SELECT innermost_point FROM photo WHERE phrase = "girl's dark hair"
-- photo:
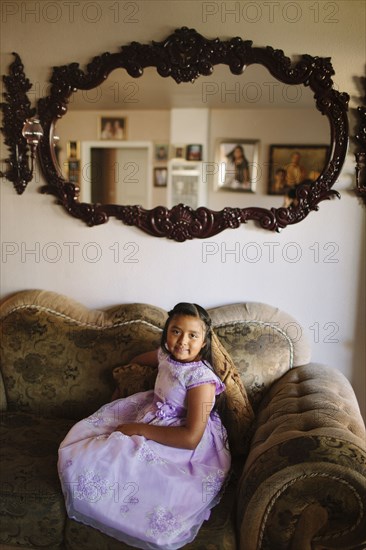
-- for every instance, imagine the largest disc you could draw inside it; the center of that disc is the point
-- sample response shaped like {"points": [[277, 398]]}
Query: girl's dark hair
{"points": [[192, 310], [231, 155]]}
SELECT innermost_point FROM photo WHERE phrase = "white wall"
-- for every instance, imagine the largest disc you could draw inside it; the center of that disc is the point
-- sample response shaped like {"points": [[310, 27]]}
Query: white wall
{"points": [[315, 270]]}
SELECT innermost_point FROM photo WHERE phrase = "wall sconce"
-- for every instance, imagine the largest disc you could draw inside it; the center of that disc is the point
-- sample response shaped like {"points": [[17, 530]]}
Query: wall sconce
{"points": [[19, 171], [33, 132], [21, 127]]}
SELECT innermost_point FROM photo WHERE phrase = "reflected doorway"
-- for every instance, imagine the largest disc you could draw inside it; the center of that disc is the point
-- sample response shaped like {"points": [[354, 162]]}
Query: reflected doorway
{"points": [[116, 173]]}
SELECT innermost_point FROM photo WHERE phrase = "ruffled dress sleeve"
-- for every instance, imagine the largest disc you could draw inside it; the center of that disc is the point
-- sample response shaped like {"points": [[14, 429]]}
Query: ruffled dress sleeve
{"points": [[162, 355], [192, 374], [199, 373]]}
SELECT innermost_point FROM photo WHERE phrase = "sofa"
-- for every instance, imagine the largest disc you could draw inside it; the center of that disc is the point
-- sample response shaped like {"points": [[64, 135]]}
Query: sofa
{"points": [[299, 483]]}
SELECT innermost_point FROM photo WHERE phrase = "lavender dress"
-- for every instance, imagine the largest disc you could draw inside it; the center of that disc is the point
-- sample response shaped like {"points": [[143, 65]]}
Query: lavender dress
{"points": [[143, 493]]}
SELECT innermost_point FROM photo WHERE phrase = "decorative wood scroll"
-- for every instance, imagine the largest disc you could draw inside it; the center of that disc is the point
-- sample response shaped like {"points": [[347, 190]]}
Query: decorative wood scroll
{"points": [[16, 110], [361, 153]]}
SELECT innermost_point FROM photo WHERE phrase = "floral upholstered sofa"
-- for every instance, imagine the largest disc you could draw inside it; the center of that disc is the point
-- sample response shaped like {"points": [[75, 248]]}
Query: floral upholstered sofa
{"points": [[299, 484]]}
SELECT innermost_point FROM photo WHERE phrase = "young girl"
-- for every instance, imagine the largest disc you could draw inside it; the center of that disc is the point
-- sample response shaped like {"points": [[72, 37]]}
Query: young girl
{"points": [[147, 469]]}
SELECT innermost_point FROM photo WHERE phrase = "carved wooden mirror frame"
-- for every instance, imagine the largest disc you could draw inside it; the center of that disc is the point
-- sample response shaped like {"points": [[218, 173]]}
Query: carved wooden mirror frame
{"points": [[183, 56], [360, 139]]}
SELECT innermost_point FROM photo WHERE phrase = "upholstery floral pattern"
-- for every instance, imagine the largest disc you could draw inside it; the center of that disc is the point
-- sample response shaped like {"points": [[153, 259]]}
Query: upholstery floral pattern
{"points": [[31, 503], [57, 366], [133, 378], [301, 483], [261, 352], [237, 413]]}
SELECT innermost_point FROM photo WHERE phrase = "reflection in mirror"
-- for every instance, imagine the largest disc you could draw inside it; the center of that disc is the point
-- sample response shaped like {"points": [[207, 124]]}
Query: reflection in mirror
{"points": [[245, 108], [220, 108], [116, 172]]}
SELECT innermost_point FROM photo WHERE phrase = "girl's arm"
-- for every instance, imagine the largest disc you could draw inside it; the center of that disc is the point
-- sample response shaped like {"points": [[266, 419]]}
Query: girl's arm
{"points": [[199, 404], [149, 358]]}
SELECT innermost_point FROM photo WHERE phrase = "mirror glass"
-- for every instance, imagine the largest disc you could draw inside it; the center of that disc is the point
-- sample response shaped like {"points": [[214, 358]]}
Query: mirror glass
{"points": [[131, 166]]}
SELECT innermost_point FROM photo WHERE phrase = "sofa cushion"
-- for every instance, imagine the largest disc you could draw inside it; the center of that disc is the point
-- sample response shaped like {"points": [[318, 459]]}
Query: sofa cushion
{"points": [[31, 502], [237, 413], [263, 341], [133, 378]]}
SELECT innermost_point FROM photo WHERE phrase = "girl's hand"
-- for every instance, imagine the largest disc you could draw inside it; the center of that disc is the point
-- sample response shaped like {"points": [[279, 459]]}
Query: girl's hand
{"points": [[134, 428], [200, 400]]}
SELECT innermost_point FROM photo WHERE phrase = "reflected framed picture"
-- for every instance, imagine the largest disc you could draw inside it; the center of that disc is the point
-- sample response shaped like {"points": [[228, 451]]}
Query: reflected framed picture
{"points": [[73, 170], [237, 165], [290, 165], [73, 149], [194, 152], [160, 176], [112, 127], [161, 152], [178, 152]]}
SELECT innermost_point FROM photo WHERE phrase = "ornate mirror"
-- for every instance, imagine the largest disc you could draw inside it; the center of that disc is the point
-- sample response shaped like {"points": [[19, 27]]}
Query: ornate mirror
{"points": [[189, 60], [360, 140]]}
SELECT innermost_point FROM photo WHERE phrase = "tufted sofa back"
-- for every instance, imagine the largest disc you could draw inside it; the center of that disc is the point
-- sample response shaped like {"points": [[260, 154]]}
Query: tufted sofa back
{"points": [[57, 356]]}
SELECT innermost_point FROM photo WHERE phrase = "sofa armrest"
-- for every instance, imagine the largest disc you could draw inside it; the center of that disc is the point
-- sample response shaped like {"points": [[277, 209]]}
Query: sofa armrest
{"points": [[304, 482]]}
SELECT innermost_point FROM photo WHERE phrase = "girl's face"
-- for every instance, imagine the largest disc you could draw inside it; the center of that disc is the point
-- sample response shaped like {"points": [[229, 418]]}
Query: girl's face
{"points": [[185, 337], [238, 153]]}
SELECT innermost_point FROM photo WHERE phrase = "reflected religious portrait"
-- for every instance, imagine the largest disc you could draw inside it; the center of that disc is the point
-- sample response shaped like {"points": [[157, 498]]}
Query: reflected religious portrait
{"points": [[112, 128], [73, 149], [290, 165], [237, 165]]}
